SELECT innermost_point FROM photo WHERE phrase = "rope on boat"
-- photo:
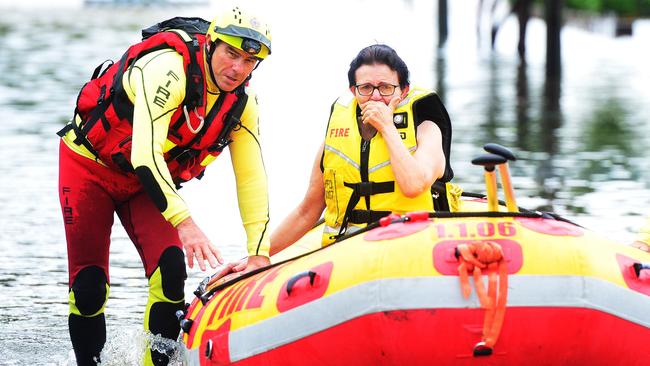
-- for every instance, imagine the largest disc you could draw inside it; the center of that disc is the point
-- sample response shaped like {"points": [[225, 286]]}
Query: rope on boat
{"points": [[485, 255]]}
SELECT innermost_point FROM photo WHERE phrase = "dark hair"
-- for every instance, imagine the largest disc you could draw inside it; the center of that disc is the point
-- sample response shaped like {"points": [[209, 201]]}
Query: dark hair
{"points": [[382, 55]]}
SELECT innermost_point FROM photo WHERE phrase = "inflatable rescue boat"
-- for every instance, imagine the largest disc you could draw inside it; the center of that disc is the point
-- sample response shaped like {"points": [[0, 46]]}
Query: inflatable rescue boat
{"points": [[489, 285]]}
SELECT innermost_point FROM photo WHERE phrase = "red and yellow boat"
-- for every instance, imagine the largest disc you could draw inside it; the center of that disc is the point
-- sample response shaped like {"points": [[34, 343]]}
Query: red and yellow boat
{"points": [[391, 295]]}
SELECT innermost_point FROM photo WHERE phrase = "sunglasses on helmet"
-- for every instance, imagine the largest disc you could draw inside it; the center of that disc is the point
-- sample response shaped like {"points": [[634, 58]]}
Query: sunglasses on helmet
{"points": [[251, 46]]}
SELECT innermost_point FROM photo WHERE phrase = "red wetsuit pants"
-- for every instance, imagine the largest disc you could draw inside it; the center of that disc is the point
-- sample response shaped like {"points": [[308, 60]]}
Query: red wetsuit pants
{"points": [[90, 193]]}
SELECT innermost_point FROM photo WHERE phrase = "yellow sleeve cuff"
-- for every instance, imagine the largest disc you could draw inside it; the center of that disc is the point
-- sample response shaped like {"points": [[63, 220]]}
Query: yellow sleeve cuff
{"points": [[178, 217], [262, 249]]}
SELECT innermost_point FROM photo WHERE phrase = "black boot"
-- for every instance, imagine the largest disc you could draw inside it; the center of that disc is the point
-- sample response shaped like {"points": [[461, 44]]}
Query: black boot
{"points": [[88, 335]]}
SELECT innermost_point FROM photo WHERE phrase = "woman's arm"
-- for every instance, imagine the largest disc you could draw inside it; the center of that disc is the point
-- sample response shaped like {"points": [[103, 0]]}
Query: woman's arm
{"points": [[415, 173], [305, 215]]}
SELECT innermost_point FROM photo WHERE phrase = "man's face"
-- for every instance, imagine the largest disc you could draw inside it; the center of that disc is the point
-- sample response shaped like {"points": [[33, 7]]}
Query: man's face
{"points": [[231, 66]]}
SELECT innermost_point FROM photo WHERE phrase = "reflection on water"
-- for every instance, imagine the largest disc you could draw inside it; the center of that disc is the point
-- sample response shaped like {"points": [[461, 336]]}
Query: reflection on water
{"points": [[582, 142]]}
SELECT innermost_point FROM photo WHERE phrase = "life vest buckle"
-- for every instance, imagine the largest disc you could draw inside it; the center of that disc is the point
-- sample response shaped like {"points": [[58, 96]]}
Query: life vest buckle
{"points": [[219, 145], [102, 94], [364, 188]]}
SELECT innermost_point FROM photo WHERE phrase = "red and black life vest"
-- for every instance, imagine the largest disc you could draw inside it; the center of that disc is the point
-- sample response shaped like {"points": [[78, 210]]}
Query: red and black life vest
{"points": [[106, 113]]}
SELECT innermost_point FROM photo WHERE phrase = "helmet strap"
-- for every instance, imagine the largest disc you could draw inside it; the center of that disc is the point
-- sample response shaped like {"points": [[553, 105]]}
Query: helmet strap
{"points": [[255, 68], [210, 53]]}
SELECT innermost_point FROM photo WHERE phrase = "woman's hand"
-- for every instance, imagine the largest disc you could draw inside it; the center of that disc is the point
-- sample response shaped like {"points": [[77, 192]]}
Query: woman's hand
{"points": [[378, 114]]}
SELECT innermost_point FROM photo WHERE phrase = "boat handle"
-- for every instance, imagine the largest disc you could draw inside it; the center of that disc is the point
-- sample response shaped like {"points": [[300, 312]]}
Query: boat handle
{"points": [[292, 281], [638, 267]]}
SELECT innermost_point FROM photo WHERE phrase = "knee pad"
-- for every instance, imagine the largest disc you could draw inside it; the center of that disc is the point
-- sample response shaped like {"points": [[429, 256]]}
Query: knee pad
{"points": [[172, 273], [89, 292]]}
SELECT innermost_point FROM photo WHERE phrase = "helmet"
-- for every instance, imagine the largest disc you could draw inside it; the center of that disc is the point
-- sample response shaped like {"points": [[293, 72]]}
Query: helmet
{"points": [[243, 31]]}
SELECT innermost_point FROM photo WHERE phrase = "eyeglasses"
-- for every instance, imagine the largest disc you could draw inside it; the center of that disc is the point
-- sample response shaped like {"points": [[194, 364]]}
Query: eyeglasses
{"points": [[384, 89]]}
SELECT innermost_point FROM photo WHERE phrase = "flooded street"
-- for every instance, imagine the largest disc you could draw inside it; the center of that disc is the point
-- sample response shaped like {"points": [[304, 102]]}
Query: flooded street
{"points": [[583, 145]]}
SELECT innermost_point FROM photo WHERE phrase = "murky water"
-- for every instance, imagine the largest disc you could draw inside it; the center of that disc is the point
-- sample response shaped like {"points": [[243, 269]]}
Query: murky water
{"points": [[583, 144]]}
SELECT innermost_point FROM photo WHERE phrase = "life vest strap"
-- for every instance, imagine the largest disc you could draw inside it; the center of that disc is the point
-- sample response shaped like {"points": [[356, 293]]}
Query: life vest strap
{"points": [[439, 195], [103, 103], [194, 78], [366, 216], [363, 189], [101, 69], [182, 154], [122, 162], [230, 122], [80, 136], [62, 132]]}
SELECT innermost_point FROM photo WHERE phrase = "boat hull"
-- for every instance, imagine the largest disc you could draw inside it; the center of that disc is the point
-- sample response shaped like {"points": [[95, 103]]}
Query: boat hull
{"points": [[392, 296], [532, 335]]}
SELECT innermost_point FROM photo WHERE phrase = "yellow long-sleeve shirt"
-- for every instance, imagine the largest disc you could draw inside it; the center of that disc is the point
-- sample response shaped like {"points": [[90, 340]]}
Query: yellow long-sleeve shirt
{"points": [[155, 84]]}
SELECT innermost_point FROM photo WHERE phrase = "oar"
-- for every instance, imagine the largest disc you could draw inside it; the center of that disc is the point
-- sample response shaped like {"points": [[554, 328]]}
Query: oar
{"points": [[489, 161], [509, 192]]}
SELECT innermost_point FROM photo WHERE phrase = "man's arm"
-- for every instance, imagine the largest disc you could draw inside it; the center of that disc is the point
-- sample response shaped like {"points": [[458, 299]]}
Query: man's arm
{"points": [[156, 86], [252, 185], [297, 223]]}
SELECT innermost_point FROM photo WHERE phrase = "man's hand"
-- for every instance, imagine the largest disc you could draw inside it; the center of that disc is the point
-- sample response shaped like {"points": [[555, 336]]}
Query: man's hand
{"points": [[222, 273], [251, 263], [240, 267], [196, 244], [378, 114], [641, 246]]}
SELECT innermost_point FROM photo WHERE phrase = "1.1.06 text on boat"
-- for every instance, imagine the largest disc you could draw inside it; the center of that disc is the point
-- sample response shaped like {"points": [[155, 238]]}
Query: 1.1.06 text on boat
{"points": [[482, 229]]}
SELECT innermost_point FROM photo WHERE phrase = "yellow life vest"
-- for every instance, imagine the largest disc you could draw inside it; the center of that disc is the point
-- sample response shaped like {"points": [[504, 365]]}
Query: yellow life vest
{"points": [[357, 175]]}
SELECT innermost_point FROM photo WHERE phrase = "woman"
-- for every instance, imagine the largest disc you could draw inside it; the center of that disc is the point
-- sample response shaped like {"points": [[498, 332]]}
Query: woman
{"points": [[386, 144]]}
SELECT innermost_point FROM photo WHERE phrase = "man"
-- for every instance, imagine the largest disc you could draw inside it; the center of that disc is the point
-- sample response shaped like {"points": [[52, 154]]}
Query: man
{"points": [[386, 144], [143, 126]]}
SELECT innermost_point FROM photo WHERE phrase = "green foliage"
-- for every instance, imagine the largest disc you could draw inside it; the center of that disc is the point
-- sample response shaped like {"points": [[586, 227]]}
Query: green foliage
{"points": [[5, 28], [633, 8], [589, 5], [607, 128], [622, 7], [644, 8]]}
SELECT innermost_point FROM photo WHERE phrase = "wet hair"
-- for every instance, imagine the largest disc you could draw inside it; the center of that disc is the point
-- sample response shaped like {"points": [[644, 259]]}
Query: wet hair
{"points": [[380, 54]]}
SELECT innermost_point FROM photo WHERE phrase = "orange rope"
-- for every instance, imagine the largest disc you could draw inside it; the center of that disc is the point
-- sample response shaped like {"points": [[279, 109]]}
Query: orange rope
{"points": [[488, 256]]}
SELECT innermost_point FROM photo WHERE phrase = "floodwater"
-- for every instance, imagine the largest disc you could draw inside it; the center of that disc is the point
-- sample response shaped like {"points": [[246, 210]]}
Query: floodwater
{"points": [[583, 144]]}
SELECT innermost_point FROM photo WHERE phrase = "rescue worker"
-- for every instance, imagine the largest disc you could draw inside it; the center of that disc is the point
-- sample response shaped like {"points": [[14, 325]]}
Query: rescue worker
{"points": [[642, 241], [141, 127], [386, 144]]}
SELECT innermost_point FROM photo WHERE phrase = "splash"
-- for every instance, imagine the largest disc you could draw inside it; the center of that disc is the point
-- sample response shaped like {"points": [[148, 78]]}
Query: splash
{"points": [[127, 348]]}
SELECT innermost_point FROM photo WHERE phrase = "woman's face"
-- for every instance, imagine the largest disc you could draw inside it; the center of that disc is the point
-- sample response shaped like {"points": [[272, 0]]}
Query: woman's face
{"points": [[375, 80]]}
